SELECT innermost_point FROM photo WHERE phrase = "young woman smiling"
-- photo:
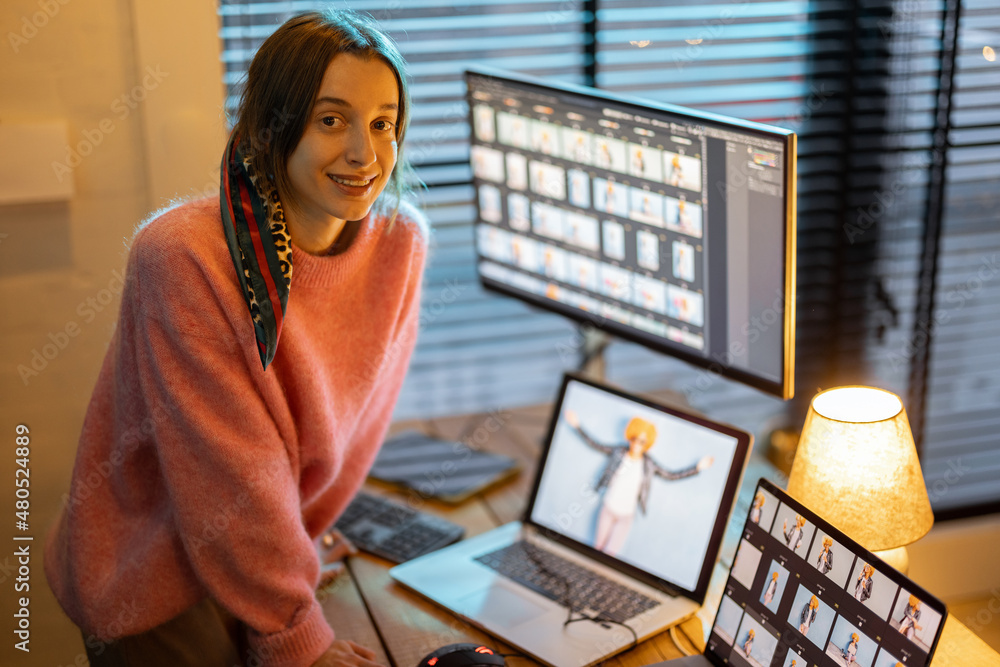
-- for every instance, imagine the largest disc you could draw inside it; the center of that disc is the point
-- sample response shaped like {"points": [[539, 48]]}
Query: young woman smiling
{"points": [[261, 345]]}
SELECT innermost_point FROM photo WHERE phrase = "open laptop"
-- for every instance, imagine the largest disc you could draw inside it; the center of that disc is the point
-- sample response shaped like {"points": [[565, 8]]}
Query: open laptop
{"points": [[626, 541], [801, 593]]}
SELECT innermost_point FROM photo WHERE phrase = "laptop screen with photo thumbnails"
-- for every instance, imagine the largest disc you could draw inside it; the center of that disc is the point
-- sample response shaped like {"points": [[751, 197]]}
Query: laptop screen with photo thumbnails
{"points": [[639, 483], [802, 593]]}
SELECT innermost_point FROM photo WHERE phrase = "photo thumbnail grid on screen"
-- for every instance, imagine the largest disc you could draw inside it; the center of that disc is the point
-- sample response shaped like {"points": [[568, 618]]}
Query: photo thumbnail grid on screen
{"points": [[675, 231], [840, 606]]}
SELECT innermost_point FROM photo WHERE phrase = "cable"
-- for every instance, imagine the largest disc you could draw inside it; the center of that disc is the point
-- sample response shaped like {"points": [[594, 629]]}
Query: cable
{"points": [[567, 602], [676, 640]]}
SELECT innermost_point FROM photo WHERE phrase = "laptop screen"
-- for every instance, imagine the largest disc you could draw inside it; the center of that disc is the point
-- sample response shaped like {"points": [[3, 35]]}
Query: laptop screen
{"points": [[638, 484], [802, 593]]}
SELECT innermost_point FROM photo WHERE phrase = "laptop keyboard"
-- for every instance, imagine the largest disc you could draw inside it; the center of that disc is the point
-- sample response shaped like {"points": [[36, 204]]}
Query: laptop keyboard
{"points": [[393, 531], [548, 574]]}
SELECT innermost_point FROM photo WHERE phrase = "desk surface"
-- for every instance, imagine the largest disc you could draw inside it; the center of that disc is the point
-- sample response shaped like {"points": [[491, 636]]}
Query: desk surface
{"points": [[366, 606]]}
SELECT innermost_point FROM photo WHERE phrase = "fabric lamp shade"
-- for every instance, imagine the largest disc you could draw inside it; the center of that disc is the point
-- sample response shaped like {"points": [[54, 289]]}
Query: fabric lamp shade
{"points": [[856, 465]]}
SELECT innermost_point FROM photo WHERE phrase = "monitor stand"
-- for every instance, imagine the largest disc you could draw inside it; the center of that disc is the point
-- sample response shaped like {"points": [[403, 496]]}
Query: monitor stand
{"points": [[593, 365], [595, 341]]}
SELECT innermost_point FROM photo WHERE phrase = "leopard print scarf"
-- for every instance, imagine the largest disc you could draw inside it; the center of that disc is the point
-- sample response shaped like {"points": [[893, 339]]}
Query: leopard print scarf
{"points": [[259, 245]]}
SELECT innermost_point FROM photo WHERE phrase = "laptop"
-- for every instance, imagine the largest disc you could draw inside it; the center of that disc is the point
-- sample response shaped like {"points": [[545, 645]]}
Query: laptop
{"points": [[619, 539], [801, 593]]}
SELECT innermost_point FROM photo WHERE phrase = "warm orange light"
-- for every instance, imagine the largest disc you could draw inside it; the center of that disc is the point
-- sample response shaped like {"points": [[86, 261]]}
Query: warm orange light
{"points": [[857, 466], [857, 404]]}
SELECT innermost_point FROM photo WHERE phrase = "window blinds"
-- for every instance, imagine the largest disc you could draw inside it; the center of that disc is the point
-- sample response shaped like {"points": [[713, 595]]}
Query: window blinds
{"points": [[961, 448], [858, 81]]}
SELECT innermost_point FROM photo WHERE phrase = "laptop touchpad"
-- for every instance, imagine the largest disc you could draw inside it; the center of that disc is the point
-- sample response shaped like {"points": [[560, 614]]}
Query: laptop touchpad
{"points": [[500, 606]]}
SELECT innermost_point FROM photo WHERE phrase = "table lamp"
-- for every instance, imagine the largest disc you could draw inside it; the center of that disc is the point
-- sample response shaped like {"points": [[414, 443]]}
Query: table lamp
{"points": [[856, 465]]}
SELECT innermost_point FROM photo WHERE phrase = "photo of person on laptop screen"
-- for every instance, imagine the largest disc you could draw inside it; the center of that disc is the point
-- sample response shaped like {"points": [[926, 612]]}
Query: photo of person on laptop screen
{"points": [[635, 482], [627, 478]]}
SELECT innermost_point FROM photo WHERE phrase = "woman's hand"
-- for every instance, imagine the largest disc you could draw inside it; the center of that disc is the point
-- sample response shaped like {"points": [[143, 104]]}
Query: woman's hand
{"points": [[572, 419], [333, 549], [705, 463], [345, 653]]}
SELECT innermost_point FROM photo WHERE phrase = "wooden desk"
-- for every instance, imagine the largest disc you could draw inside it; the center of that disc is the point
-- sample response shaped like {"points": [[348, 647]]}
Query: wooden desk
{"points": [[366, 606]]}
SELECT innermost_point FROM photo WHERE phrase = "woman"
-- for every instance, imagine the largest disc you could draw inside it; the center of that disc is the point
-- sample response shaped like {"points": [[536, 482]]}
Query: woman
{"points": [[215, 453], [824, 563], [626, 479], [772, 587], [850, 651], [756, 507], [793, 537], [908, 624], [863, 585], [808, 615], [748, 644]]}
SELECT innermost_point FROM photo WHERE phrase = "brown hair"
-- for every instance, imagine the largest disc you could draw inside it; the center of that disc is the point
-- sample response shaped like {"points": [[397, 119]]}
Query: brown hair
{"points": [[283, 81]]}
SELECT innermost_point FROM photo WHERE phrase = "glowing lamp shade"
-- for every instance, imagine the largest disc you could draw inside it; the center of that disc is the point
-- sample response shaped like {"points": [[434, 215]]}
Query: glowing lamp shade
{"points": [[857, 466]]}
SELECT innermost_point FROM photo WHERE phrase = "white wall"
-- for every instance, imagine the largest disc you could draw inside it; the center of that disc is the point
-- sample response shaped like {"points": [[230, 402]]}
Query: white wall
{"points": [[139, 84]]}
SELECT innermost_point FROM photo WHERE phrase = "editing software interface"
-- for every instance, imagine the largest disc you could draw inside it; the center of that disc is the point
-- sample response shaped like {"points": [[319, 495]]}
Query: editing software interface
{"points": [[799, 595], [667, 229]]}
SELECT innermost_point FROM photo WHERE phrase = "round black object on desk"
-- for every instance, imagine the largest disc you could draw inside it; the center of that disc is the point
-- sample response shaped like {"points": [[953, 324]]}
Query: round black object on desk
{"points": [[462, 655]]}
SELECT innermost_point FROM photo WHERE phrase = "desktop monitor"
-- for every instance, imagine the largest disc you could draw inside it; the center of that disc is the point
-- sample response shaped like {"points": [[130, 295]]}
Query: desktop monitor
{"points": [[662, 225]]}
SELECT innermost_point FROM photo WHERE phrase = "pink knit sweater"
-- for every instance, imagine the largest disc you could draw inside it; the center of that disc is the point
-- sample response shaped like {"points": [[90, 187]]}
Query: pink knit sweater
{"points": [[198, 473]]}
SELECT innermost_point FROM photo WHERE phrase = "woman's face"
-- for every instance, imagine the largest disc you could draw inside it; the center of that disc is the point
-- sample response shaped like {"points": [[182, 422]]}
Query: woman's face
{"points": [[638, 445], [348, 149]]}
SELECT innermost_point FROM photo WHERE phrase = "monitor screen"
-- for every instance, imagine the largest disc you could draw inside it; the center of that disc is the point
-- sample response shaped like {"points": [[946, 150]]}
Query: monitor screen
{"points": [[662, 225]]}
